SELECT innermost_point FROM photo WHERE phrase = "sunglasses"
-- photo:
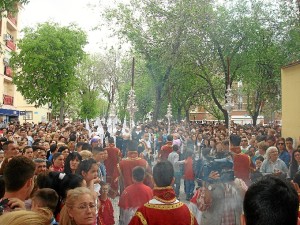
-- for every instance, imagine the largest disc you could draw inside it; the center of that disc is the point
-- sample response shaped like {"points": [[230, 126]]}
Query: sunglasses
{"points": [[280, 143]]}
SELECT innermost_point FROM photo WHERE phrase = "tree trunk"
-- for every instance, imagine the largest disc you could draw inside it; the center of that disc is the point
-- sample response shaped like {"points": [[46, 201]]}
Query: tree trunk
{"points": [[157, 103], [61, 111], [254, 118], [179, 114], [187, 116]]}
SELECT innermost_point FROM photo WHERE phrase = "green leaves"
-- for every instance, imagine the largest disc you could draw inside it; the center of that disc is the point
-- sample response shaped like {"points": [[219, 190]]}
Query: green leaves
{"points": [[46, 65]]}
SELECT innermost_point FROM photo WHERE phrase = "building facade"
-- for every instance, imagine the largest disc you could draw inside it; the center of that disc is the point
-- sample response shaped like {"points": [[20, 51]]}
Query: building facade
{"points": [[13, 107], [8, 36]]}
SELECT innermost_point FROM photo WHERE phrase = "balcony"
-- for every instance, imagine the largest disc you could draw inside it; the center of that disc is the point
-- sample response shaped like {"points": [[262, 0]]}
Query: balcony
{"points": [[8, 100], [8, 71], [12, 19], [11, 45]]}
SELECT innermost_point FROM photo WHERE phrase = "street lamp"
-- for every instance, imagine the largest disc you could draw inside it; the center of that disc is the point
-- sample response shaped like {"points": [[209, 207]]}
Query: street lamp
{"points": [[229, 105], [169, 116]]}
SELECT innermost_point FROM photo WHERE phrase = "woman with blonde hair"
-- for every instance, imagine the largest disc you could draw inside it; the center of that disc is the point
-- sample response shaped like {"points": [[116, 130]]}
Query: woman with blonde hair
{"points": [[80, 208], [24, 217]]}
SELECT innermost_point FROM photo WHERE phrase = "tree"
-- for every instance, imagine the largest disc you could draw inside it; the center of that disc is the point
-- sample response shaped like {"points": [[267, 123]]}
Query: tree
{"points": [[90, 105], [45, 68], [10, 5], [155, 31]]}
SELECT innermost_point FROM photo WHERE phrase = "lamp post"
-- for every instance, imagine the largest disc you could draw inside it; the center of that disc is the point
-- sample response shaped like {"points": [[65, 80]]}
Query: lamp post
{"points": [[169, 116], [229, 105]]}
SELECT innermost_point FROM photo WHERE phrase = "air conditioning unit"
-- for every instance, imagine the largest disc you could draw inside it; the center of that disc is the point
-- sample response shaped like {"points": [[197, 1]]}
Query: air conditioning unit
{"points": [[6, 37], [6, 61]]}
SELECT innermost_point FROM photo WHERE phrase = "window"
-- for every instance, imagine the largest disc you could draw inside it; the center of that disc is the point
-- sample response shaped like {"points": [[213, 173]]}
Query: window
{"points": [[28, 115]]}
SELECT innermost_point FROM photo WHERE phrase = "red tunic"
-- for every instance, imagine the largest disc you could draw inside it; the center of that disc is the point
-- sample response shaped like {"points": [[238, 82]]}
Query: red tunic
{"points": [[241, 166], [135, 195], [169, 212], [165, 151], [111, 165], [126, 166], [188, 169], [106, 212]]}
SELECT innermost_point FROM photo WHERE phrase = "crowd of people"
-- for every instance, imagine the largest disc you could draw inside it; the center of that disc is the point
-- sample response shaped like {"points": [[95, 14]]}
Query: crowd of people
{"points": [[66, 174]]}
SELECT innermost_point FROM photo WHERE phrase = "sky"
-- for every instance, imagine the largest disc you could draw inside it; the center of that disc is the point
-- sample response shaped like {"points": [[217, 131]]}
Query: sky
{"points": [[85, 13]]}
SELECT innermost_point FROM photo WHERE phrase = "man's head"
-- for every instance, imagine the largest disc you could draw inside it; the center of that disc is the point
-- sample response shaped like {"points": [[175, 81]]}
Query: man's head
{"points": [[170, 138], [138, 174], [132, 146], [10, 149], [98, 154], [44, 197], [40, 166], [235, 140], [95, 141], [271, 200], [18, 176], [271, 140], [163, 174], [289, 143], [244, 141], [111, 140]]}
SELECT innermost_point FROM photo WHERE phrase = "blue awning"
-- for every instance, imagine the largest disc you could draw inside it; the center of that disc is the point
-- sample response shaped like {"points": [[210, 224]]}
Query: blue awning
{"points": [[9, 112]]}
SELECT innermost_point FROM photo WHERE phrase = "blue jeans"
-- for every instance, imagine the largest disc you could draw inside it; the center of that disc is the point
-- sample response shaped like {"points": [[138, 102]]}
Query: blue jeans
{"points": [[176, 185], [189, 186]]}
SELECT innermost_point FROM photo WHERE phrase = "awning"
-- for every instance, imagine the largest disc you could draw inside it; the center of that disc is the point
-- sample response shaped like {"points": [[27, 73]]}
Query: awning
{"points": [[9, 112]]}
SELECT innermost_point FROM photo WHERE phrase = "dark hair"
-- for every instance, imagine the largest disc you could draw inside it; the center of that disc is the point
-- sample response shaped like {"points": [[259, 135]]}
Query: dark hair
{"points": [[271, 138], [86, 146], [175, 148], [271, 200], [86, 165], [70, 157], [25, 148], [2, 187], [132, 146], [79, 144], [111, 140], [235, 140], [260, 158], [53, 147], [163, 173], [169, 137], [60, 182], [62, 148], [294, 164], [138, 173], [289, 139], [5, 145], [55, 156], [17, 172], [72, 137], [47, 196]]}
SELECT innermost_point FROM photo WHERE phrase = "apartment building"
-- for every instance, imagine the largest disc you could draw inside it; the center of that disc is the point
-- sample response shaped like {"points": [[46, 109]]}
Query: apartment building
{"points": [[8, 37], [12, 104]]}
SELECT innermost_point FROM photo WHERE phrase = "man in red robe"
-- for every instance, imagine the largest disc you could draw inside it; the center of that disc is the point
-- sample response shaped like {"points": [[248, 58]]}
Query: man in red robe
{"points": [[134, 196], [164, 208], [166, 149], [126, 166], [111, 165], [241, 162]]}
